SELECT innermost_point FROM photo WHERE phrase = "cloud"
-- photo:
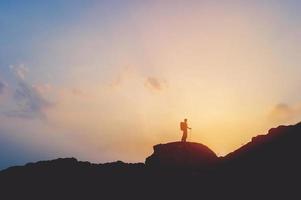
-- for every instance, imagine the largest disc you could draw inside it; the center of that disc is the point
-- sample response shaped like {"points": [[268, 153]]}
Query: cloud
{"points": [[125, 74], [3, 92], [77, 92], [29, 100], [30, 103], [116, 82], [154, 83], [130, 76], [42, 88], [20, 71], [2, 86], [284, 112]]}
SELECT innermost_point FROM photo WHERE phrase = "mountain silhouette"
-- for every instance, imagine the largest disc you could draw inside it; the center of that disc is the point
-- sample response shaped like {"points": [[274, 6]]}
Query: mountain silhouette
{"points": [[268, 167]]}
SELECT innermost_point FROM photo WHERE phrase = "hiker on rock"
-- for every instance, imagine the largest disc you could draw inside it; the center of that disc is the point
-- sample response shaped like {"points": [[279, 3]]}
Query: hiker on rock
{"points": [[184, 127]]}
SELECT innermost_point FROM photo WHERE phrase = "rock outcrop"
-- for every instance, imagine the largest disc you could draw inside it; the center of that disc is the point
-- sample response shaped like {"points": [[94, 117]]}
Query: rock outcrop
{"points": [[181, 155]]}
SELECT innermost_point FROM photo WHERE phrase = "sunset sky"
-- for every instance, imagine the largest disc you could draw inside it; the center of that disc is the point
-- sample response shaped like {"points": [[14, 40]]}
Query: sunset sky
{"points": [[106, 80]]}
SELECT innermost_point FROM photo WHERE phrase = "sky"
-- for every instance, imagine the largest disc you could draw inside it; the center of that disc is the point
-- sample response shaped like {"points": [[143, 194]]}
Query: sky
{"points": [[106, 80]]}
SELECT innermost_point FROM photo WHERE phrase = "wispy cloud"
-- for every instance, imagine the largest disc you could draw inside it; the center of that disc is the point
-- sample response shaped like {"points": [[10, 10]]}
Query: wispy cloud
{"points": [[29, 99], [130, 74], [122, 76], [31, 104], [2, 86], [284, 112], [20, 71], [154, 83]]}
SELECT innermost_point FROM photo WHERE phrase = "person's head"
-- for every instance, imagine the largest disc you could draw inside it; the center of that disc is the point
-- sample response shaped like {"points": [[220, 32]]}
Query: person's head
{"points": [[185, 120]]}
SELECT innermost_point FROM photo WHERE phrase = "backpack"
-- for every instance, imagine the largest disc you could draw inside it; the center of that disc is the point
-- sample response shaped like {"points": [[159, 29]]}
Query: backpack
{"points": [[182, 126]]}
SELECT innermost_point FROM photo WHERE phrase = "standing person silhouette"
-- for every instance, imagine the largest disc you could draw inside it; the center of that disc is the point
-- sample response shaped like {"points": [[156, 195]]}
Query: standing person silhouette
{"points": [[184, 127]]}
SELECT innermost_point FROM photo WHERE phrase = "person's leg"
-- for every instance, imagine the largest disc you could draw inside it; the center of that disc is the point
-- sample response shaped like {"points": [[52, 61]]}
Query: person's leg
{"points": [[184, 137]]}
